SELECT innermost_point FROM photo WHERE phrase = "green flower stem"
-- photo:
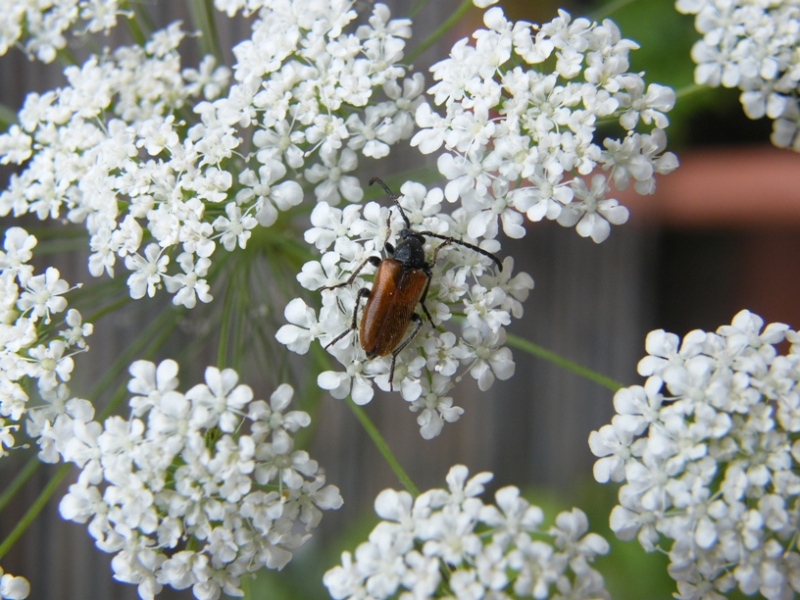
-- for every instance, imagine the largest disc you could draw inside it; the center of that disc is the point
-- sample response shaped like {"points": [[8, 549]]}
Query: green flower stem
{"points": [[134, 29], [19, 480], [538, 351], [690, 90], [434, 37], [61, 246], [202, 13], [225, 325], [150, 340], [7, 116], [96, 316], [383, 447], [34, 510], [603, 12]]}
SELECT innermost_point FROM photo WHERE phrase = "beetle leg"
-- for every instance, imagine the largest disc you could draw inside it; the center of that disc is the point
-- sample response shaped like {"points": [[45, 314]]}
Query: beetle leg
{"points": [[362, 293], [447, 242], [451, 240], [425, 295], [389, 249], [418, 320], [373, 260]]}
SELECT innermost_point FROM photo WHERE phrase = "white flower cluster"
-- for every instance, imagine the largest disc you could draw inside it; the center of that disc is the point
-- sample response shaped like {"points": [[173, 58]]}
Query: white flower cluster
{"points": [[13, 587], [43, 25], [195, 489], [752, 46], [37, 339], [708, 453], [449, 544], [156, 171], [318, 96], [81, 147], [522, 141], [462, 282]]}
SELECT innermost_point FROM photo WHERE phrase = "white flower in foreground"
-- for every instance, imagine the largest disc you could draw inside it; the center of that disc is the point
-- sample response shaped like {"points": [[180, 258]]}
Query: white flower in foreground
{"points": [[38, 339], [165, 161], [708, 458], [519, 139], [462, 281], [196, 489], [449, 544]]}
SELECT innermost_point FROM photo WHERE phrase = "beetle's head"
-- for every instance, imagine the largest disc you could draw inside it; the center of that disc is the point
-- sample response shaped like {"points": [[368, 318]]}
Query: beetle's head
{"points": [[409, 251], [409, 234]]}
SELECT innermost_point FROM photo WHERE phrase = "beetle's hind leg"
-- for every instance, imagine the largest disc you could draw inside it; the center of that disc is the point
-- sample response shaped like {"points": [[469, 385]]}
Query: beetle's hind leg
{"points": [[418, 321], [362, 293]]}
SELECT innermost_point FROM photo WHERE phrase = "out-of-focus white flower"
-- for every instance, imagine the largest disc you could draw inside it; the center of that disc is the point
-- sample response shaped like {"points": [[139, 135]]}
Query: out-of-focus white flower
{"points": [[752, 46], [13, 587]]}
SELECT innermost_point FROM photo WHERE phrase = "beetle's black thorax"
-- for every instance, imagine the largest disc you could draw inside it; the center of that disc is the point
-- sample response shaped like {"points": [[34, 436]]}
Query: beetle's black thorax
{"points": [[409, 251]]}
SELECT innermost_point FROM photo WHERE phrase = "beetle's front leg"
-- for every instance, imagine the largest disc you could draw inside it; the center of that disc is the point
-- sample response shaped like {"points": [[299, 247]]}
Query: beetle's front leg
{"points": [[362, 293], [373, 260], [418, 320]]}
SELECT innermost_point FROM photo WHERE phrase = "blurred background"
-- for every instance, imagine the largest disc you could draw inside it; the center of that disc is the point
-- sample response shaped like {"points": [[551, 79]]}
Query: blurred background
{"points": [[719, 235]]}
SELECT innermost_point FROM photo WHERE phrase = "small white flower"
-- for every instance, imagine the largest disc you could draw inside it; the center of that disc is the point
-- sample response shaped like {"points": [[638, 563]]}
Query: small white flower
{"points": [[147, 271], [42, 295], [189, 286]]}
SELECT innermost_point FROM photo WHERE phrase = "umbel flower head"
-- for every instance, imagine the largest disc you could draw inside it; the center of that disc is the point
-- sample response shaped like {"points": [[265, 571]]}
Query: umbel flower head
{"points": [[449, 544], [708, 455], [38, 338], [521, 111], [463, 281], [167, 163], [195, 489]]}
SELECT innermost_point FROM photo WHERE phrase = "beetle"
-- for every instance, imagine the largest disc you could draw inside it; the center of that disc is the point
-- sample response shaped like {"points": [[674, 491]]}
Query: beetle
{"points": [[401, 282]]}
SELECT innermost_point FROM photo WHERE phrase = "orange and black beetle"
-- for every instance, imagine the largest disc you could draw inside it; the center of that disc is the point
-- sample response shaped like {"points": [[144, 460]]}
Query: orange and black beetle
{"points": [[400, 283]]}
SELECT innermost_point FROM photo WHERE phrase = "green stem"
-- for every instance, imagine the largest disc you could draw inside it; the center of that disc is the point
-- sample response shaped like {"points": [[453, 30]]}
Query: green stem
{"points": [[145, 345], [7, 116], [136, 32], [19, 480], [548, 355], [383, 447], [34, 510], [225, 326], [605, 11], [690, 90], [202, 13], [434, 37], [96, 316]]}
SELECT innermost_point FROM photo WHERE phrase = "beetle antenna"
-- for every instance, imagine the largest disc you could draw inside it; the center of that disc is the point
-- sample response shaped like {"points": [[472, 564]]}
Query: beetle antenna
{"points": [[394, 198], [452, 240]]}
